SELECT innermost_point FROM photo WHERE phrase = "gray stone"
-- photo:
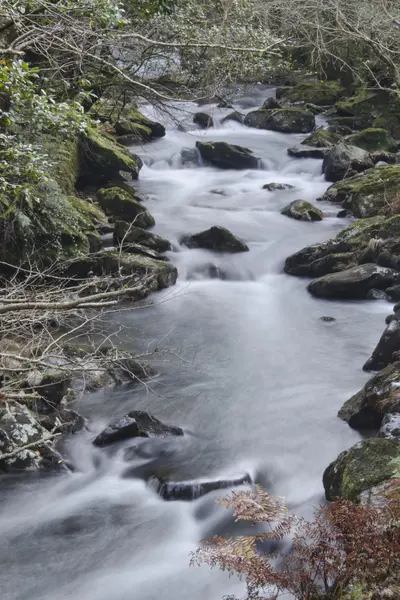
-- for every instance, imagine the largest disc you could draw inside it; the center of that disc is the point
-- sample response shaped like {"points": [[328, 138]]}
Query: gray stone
{"points": [[303, 211], [227, 156], [307, 152], [344, 160], [218, 239], [353, 283], [285, 120]]}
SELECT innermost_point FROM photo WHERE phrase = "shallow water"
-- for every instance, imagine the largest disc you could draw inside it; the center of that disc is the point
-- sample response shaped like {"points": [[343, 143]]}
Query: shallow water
{"points": [[246, 366]]}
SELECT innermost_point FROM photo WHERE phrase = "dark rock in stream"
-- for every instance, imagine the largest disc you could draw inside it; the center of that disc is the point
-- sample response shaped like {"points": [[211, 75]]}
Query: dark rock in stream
{"points": [[273, 187], [129, 234], [203, 120], [301, 210], [387, 347], [285, 120], [344, 160], [137, 423], [227, 156], [190, 157], [298, 152], [216, 238], [190, 490], [236, 116]]}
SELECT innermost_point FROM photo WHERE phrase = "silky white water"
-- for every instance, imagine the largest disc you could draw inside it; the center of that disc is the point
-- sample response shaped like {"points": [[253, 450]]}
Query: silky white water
{"points": [[246, 366]]}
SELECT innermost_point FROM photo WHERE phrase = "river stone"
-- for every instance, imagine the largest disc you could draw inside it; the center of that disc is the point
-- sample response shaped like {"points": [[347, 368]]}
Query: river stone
{"points": [[307, 152], [364, 466], [372, 139], [353, 283], [285, 120], [271, 102], [379, 396], [394, 293], [137, 423], [273, 187], [203, 120], [390, 427], [216, 238], [135, 235], [234, 116], [227, 156], [344, 160], [190, 490], [387, 347], [302, 211], [118, 203], [322, 139]]}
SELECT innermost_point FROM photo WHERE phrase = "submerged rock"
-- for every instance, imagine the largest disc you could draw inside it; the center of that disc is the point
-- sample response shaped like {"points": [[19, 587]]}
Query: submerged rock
{"points": [[203, 120], [353, 283], [322, 138], [298, 152], [190, 490], [364, 466], [190, 157], [303, 211], [344, 160], [136, 423], [379, 396], [285, 120], [129, 234], [273, 187], [216, 238], [227, 156], [120, 204]]}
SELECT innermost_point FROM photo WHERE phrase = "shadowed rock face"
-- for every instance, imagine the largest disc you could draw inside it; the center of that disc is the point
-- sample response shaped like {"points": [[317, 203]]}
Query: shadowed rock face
{"points": [[190, 490], [227, 156]]}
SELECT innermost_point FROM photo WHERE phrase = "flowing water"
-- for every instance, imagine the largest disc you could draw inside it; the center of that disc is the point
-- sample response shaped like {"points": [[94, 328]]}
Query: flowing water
{"points": [[246, 366]]}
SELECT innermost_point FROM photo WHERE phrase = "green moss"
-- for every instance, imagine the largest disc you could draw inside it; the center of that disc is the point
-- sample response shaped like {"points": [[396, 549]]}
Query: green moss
{"points": [[91, 214], [63, 154], [372, 139], [320, 93], [322, 139], [120, 204], [128, 120], [376, 109]]}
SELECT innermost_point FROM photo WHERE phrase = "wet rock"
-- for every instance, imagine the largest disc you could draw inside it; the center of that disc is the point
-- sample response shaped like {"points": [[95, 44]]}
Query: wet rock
{"points": [[190, 490], [303, 211], [285, 120], [364, 466], [328, 319], [376, 295], [307, 152], [271, 102], [137, 423], [63, 421], [52, 385], [340, 129], [227, 156], [218, 239], [394, 293], [322, 138], [381, 158], [119, 204], [273, 187], [344, 160], [236, 116], [130, 234], [203, 120], [372, 139], [190, 157], [344, 214], [390, 427], [353, 283], [387, 347], [321, 93], [320, 259], [379, 396]]}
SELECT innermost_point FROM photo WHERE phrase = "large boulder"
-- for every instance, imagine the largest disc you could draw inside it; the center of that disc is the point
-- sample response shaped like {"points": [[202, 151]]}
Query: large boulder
{"points": [[344, 160], [303, 211], [322, 139], [203, 120], [372, 139], [102, 159], [127, 233], [387, 348], [353, 283], [378, 109], [379, 396], [285, 120], [364, 241], [136, 423], [216, 238], [368, 193], [120, 204], [227, 156], [321, 93], [364, 466]]}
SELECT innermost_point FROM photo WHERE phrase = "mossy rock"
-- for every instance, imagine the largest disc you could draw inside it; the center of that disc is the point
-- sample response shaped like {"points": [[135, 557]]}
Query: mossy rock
{"points": [[64, 165], [91, 214], [322, 139], [364, 466], [284, 120], [126, 127], [119, 204], [302, 210], [376, 109], [129, 234], [367, 193], [321, 93], [127, 119], [372, 139], [379, 396], [103, 159]]}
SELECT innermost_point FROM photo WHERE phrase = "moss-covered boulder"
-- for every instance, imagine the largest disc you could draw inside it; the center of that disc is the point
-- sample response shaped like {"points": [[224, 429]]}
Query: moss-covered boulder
{"points": [[120, 204], [227, 156], [218, 239], [379, 396], [303, 211], [102, 159], [127, 233], [285, 120], [344, 160], [373, 109], [321, 93], [367, 193], [322, 138], [372, 139], [127, 119], [367, 464]]}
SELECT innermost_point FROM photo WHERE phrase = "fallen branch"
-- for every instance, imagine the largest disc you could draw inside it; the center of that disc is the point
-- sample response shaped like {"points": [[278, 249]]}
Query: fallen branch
{"points": [[39, 442]]}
